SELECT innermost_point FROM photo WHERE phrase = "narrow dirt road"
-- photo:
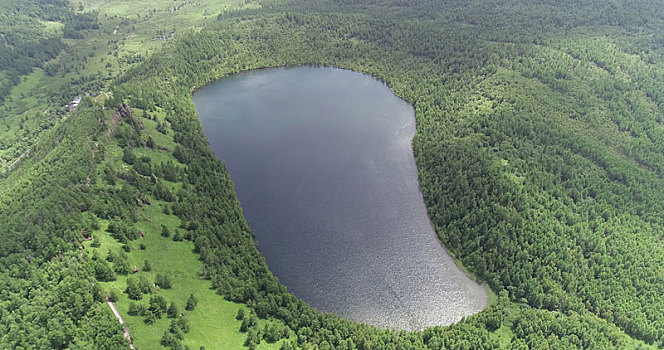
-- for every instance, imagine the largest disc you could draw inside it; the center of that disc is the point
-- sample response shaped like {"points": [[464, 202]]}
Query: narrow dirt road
{"points": [[125, 330]]}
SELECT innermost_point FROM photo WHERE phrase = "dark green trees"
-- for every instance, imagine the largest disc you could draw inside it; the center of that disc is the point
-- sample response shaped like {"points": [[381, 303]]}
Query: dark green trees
{"points": [[158, 305], [133, 289], [191, 303]]}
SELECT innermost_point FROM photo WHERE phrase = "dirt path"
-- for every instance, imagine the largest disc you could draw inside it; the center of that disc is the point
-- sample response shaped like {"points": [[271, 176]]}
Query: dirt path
{"points": [[24, 113], [15, 162], [125, 330]]}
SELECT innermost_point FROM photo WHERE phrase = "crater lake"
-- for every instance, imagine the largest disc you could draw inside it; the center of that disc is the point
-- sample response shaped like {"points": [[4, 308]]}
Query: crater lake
{"points": [[323, 167]]}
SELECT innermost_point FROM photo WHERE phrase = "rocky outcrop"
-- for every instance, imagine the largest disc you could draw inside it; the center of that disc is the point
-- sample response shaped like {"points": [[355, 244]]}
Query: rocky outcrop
{"points": [[123, 112]]}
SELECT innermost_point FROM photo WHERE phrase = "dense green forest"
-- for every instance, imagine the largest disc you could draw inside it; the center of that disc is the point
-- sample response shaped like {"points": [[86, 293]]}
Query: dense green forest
{"points": [[539, 148]]}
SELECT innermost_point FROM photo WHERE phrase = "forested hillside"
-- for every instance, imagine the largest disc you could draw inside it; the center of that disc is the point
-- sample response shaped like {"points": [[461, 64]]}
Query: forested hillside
{"points": [[49, 296], [539, 147]]}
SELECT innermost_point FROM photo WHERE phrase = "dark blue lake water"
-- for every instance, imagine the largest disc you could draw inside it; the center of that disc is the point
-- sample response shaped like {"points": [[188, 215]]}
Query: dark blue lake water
{"points": [[324, 170]]}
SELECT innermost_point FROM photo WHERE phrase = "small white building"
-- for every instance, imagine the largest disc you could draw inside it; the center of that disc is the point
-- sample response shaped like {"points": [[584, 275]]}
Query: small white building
{"points": [[74, 104]]}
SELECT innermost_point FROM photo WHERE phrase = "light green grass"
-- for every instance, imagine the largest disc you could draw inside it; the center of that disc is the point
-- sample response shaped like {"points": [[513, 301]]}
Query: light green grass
{"points": [[22, 117], [149, 20], [213, 323], [24, 96], [52, 28]]}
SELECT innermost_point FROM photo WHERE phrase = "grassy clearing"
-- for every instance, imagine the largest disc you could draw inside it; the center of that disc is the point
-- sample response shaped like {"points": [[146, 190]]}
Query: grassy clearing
{"points": [[213, 323], [23, 117], [52, 28]]}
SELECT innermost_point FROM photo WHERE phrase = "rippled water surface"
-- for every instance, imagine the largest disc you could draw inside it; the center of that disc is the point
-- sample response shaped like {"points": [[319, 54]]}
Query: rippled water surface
{"points": [[323, 167]]}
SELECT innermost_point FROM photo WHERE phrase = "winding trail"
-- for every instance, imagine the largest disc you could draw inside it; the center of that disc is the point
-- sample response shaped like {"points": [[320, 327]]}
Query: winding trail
{"points": [[125, 330], [17, 160]]}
